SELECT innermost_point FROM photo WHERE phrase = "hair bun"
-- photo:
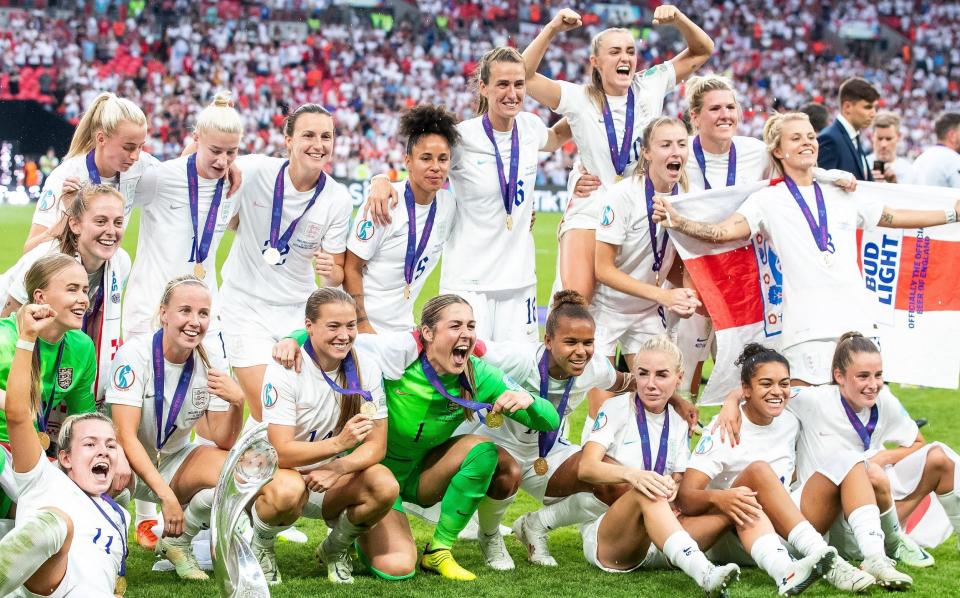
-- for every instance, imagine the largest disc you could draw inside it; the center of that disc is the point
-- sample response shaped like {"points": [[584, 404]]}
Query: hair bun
{"points": [[223, 99], [750, 350], [567, 297]]}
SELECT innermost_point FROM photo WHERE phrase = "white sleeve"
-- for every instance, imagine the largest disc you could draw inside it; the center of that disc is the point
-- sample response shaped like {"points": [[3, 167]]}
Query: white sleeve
{"points": [[869, 210], [898, 426], [602, 373], [614, 217], [608, 422], [572, 97], [366, 236], [127, 378], [708, 456], [147, 187], [33, 480], [17, 290], [335, 239], [540, 130], [279, 396], [513, 358], [659, 79], [49, 209], [392, 351], [752, 210]]}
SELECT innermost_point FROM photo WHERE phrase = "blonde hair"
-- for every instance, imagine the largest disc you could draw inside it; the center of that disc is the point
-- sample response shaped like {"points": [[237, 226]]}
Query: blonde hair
{"points": [[595, 86], [69, 240], [429, 318], [65, 438], [498, 54], [350, 404], [699, 86], [220, 115], [186, 279], [643, 165], [663, 344], [106, 113], [773, 129], [886, 119], [38, 277]]}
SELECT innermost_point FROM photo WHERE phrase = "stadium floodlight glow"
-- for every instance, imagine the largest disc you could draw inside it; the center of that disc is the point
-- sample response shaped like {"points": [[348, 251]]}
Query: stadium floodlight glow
{"points": [[250, 465]]}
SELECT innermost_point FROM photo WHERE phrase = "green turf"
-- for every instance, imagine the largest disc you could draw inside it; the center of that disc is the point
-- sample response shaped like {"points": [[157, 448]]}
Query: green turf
{"points": [[574, 578]]}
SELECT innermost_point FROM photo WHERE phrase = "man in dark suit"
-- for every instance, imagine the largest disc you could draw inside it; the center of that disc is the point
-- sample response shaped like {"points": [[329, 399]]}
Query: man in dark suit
{"points": [[840, 143]]}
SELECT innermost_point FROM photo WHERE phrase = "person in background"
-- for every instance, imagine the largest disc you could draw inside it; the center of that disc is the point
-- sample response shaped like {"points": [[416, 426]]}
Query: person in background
{"points": [[818, 113], [48, 162], [884, 163], [840, 143], [940, 164]]}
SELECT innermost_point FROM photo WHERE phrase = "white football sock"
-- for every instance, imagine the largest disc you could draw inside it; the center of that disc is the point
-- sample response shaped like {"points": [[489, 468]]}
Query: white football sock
{"points": [[35, 539], [890, 524], [865, 523], [264, 534], [490, 513], [951, 504], [197, 514], [146, 511], [685, 555], [578, 508], [806, 539], [771, 556], [342, 533]]}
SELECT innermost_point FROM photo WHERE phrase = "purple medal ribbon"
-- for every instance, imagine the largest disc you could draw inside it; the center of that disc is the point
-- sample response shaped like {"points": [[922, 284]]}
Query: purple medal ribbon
{"points": [[415, 250], [349, 371], [95, 306], [508, 187], [43, 414], [546, 440], [278, 241], [702, 163], [657, 255], [437, 385], [661, 464], [621, 156], [819, 231], [92, 171], [864, 432], [178, 395], [120, 529], [201, 249]]}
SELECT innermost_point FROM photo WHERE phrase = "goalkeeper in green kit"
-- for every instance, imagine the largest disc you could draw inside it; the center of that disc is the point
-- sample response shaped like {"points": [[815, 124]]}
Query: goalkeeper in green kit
{"points": [[428, 395]]}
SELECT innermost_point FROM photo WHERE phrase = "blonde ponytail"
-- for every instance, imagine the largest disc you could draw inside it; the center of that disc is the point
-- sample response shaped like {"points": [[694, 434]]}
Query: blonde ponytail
{"points": [[106, 113]]}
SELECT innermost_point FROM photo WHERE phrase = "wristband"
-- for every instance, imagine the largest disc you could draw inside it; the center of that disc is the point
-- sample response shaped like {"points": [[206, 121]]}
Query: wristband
{"points": [[25, 345], [951, 215]]}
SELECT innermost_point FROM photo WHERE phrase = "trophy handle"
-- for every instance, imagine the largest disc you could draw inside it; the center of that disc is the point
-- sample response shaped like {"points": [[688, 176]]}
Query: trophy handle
{"points": [[250, 465]]}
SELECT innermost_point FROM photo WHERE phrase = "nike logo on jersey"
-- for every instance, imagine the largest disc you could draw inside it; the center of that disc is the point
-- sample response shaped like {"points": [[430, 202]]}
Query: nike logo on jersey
{"points": [[459, 512]]}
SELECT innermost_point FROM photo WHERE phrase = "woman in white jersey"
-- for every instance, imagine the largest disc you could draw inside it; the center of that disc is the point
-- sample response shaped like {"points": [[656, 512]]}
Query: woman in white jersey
{"points": [[718, 158], [293, 225], [489, 258], [814, 231], [70, 536], [106, 148], [94, 229], [639, 440], [185, 208], [328, 423], [163, 386], [633, 254], [387, 266], [607, 117], [763, 466], [858, 414], [562, 370]]}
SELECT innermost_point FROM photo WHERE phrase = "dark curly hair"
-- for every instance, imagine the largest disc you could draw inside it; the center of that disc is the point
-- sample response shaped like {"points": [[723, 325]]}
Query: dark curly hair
{"points": [[428, 119], [753, 356]]}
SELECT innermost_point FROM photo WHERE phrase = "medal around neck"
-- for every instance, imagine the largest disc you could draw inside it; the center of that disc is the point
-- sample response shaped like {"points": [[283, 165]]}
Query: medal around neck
{"points": [[368, 409], [44, 439], [271, 255], [494, 420], [540, 466], [199, 271]]}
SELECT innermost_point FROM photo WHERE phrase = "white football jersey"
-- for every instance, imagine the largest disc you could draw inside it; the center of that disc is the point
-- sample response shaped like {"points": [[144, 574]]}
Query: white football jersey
{"points": [[616, 430], [753, 164]]}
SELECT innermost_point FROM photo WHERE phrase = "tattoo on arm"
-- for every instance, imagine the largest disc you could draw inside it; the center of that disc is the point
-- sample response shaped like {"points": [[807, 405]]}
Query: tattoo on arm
{"points": [[713, 233], [886, 218]]}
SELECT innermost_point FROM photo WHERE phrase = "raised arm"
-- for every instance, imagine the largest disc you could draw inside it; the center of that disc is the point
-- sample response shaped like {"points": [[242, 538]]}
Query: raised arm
{"points": [[699, 45], [21, 404], [541, 88], [733, 228], [899, 218], [557, 135]]}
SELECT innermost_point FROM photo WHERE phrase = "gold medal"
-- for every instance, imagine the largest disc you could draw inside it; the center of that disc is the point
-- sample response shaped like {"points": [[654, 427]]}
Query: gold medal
{"points": [[494, 419], [44, 439], [120, 587], [198, 271], [618, 178], [509, 222], [368, 409], [406, 291], [540, 466]]}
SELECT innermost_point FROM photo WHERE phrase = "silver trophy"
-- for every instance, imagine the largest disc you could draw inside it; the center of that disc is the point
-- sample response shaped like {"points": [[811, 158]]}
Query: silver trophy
{"points": [[250, 465]]}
